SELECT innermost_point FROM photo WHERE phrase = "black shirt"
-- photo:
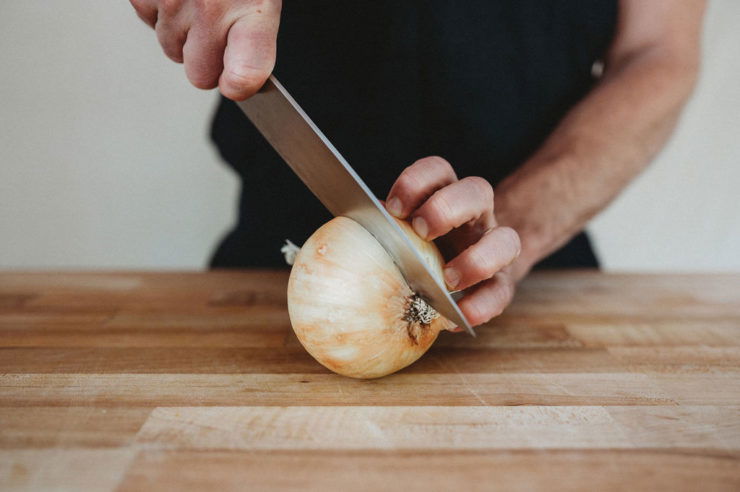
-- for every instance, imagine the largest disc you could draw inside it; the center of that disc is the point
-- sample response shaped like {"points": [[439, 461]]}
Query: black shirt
{"points": [[479, 82]]}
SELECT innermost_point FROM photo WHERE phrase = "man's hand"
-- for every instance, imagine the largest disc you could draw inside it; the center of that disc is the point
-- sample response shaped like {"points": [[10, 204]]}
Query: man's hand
{"points": [[458, 215], [224, 43]]}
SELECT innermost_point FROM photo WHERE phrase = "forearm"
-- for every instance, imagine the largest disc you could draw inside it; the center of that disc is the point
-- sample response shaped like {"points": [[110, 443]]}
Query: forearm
{"points": [[603, 143]]}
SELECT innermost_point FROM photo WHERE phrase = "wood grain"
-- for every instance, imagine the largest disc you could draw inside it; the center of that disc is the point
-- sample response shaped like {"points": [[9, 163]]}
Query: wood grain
{"points": [[186, 381], [510, 470]]}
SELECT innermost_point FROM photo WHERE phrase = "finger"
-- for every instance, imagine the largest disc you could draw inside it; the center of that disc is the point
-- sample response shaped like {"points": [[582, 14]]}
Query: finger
{"points": [[203, 52], [470, 199], [493, 252], [146, 10], [417, 183], [172, 29], [250, 52], [488, 299]]}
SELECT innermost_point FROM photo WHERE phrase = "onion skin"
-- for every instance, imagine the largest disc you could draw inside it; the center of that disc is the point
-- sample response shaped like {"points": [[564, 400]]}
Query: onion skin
{"points": [[348, 302]]}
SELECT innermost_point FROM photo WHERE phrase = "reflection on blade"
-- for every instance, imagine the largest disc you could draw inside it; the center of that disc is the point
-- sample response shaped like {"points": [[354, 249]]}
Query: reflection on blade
{"points": [[315, 160]]}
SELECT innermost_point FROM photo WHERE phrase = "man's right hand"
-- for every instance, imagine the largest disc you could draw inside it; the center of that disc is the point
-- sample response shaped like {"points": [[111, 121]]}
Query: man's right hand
{"points": [[224, 43]]}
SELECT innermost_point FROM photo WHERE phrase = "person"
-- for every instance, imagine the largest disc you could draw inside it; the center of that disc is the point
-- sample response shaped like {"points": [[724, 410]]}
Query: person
{"points": [[556, 105]]}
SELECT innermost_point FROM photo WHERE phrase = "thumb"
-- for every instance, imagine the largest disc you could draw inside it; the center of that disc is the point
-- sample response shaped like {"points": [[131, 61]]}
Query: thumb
{"points": [[250, 52]]}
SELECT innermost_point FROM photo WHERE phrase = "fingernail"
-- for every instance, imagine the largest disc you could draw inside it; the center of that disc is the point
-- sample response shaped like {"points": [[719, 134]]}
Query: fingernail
{"points": [[395, 207], [420, 226], [452, 277]]}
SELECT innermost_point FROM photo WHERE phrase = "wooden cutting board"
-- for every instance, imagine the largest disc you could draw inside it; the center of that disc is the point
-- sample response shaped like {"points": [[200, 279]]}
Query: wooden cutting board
{"points": [[177, 381]]}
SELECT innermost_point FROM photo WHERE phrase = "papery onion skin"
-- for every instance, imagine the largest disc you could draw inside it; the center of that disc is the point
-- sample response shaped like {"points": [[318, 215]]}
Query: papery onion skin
{"points": [[348, 302]]}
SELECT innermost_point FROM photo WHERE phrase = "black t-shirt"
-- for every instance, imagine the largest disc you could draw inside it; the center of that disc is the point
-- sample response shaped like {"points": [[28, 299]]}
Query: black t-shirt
{"points": [[479, 82]]}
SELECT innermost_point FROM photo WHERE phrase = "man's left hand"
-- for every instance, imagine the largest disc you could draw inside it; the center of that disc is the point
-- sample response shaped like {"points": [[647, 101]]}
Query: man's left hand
{"points": [[458, 215]]}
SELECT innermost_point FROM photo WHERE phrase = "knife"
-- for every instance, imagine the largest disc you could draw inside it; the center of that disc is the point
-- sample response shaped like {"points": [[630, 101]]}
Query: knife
{"points": [[328, 175]]}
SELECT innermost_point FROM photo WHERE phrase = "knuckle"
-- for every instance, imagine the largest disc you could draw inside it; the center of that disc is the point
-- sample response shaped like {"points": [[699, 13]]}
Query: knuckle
{"points": [[439, 209], [170, 7], [490, 301], [149, 18], [408, 180], [480, 264], [269, 7], [475, 313], [412, 170], [487, 311], [175, 57], [481, 186], [138, 5], [494, 312], [209, 9], [489, 307], [437, 164], [172, 51], [172, 45], [510, 237], [260, 3]]}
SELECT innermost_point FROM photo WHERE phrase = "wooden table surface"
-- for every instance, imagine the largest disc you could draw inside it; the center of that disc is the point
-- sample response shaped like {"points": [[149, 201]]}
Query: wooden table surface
{"points": [[176, 381]]}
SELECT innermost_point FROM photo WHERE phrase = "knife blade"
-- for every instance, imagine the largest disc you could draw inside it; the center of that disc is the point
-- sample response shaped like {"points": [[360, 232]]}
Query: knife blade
{"points": [[328, 175]]}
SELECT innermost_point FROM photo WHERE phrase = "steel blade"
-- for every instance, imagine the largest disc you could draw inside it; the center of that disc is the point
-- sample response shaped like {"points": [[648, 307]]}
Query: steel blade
{"points": [[328, 175]]}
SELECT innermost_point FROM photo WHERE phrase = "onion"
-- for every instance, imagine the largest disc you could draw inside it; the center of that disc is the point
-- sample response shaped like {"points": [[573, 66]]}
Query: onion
{"points": [[350, 306]]}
